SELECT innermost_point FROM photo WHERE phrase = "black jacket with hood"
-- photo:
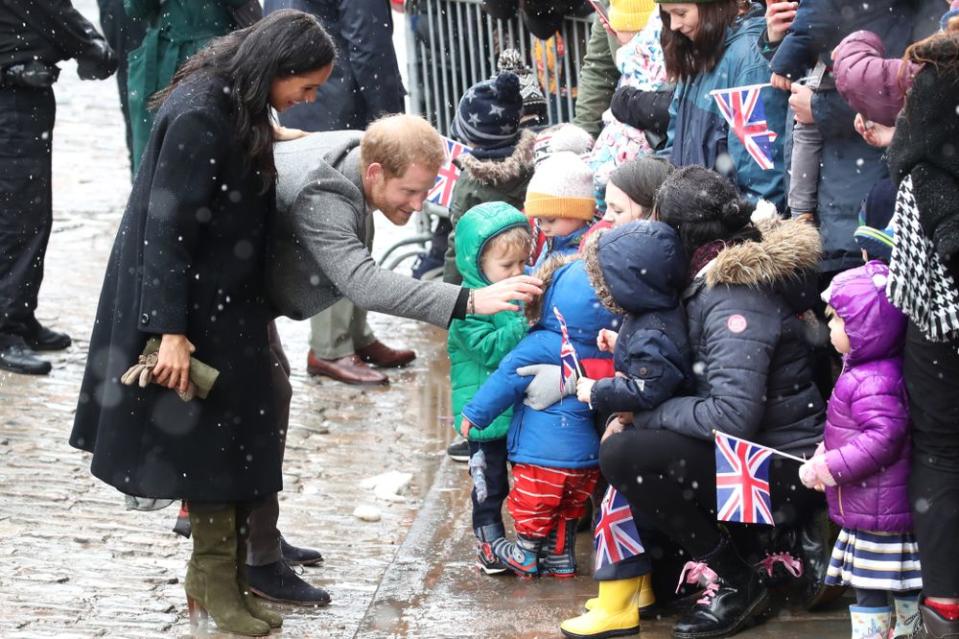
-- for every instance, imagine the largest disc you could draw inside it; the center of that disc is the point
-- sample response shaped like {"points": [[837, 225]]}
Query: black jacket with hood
{"points": [[752, 359]]}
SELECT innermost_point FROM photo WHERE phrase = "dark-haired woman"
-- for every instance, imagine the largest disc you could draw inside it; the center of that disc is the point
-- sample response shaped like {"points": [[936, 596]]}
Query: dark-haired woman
{"points": [[711, 45], [753, 380], [188, 266]]}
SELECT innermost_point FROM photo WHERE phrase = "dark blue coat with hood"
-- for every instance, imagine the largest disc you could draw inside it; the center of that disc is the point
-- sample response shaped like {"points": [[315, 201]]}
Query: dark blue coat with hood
{"points": [[639, 272], [562, 435]]}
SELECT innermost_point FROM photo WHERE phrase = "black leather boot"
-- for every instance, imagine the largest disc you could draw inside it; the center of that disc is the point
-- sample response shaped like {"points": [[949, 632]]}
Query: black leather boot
{"points": [[42, 338], [817, 537], [17, 357], [734, 596]]}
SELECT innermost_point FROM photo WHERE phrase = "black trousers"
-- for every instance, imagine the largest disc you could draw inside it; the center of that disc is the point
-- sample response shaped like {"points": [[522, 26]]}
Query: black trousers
{"points": [[671, 480], [488, 515], [27, 117], [932, 378], [263, 542]]}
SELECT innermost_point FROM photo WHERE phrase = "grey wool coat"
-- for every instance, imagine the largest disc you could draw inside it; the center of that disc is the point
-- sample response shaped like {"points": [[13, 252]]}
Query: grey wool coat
{"points": [[317, 250]]}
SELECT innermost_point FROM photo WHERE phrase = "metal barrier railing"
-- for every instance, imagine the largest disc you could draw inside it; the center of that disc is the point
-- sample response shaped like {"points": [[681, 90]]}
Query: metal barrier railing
{"points": [[452, 44]]}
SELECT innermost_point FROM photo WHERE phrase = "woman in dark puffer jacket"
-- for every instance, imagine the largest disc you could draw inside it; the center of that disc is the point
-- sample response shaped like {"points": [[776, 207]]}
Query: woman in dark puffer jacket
{"points": [[753, 380]]}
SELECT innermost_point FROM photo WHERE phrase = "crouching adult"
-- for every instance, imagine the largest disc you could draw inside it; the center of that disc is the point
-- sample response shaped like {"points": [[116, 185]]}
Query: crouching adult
{"points": [[753, 379]]}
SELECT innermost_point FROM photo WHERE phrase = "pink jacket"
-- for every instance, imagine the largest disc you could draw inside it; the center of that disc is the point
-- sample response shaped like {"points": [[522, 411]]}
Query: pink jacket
{"points": [[871, 84]]}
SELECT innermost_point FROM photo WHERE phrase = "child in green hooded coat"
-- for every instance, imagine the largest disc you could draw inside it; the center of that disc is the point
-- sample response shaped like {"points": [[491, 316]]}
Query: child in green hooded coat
{"points": [[492, 243]]}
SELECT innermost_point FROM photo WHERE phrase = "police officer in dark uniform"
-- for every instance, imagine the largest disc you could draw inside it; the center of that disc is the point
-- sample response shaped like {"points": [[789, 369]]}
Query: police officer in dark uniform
{"points": [[34, 36]]}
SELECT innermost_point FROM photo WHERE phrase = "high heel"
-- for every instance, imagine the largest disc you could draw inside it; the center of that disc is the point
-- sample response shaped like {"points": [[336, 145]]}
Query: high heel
{"points": [[198, 614], [211, 576]]}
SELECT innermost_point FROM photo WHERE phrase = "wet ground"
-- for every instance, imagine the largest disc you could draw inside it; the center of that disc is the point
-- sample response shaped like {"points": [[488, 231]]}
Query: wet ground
{"points": [[76, 564]]}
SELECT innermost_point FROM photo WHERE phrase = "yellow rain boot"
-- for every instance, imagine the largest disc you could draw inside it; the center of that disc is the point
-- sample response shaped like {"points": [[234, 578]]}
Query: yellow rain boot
{"points": [[614, 614], [645, 597]]}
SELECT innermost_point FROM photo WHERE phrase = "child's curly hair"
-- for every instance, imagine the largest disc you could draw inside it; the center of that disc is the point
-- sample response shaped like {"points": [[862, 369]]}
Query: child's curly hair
{"points": [[534, 308]]}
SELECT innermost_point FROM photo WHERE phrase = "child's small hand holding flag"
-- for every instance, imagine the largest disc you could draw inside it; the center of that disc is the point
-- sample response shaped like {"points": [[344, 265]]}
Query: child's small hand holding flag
{"points": [[584, 389]]}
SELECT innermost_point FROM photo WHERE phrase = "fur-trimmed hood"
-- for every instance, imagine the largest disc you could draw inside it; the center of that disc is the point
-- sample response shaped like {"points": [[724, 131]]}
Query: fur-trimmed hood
{"points": [[637, 268], [566, 287], [786, 250], [519, 165]]}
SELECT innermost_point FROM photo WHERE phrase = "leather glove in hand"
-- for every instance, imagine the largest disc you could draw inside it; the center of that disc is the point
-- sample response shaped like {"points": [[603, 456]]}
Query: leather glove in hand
{"points": [[98, 62]]}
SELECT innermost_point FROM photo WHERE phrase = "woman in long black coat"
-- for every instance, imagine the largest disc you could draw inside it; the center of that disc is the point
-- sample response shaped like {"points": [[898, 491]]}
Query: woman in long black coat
{"points": [[188, 265]]}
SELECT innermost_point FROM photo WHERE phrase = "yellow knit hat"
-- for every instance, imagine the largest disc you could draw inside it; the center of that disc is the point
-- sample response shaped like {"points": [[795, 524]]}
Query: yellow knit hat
{"points": [[630, 15], [561, 186]]}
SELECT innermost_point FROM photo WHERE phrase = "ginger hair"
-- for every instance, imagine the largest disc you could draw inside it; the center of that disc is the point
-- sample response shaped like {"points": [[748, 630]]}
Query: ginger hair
{"points": [[397, 141], [516, 239]]}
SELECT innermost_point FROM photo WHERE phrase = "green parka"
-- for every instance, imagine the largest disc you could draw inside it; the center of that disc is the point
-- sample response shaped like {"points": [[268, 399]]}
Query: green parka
{"points": [[478, 343], [176, 30]]}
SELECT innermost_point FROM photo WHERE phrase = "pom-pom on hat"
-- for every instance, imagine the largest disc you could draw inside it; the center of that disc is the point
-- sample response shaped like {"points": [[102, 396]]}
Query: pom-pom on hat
{"points": [[488, 114], [562, 186], [561, 137]]}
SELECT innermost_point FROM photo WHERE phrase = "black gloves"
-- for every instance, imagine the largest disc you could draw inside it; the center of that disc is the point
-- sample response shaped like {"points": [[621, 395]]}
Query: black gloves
{"points": [[98, 62]]}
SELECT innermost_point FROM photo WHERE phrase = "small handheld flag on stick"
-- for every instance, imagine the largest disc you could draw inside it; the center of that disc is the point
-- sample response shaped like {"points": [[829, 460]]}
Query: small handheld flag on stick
{"points": [[569, 362], [744, 111], [441, 193], [742, 480], [616, 536]]}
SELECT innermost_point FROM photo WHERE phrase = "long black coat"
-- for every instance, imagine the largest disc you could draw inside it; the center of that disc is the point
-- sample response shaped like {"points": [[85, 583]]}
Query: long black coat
{"points": [[188, 258]]}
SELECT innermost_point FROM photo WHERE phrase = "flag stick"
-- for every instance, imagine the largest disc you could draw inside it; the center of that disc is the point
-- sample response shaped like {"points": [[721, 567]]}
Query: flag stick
{"points": [[772, 450]]}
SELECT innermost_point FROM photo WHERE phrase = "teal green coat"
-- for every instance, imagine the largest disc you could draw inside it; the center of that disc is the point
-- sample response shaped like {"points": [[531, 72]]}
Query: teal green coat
{"points": [[478, 343], [177, 29]]}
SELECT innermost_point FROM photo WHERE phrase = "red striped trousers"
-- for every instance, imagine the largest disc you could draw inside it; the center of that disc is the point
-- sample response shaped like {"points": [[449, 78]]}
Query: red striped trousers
{"points": [[542, 497]]}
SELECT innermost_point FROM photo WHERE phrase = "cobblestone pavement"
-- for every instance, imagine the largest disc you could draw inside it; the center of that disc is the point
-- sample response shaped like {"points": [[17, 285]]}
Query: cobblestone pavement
{"points": [[76, 564]]}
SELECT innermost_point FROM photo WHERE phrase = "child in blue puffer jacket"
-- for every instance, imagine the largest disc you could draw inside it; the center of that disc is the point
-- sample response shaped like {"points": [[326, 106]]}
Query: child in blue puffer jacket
{"points": [[555, 451]]}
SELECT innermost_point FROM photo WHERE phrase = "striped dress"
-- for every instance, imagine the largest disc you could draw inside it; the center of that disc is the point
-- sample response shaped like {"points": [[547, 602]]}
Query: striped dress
{"points": [[875, 561]]}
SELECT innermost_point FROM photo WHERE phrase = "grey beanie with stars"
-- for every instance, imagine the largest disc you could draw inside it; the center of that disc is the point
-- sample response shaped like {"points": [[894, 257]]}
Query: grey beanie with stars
{"points": [[488, 116]]}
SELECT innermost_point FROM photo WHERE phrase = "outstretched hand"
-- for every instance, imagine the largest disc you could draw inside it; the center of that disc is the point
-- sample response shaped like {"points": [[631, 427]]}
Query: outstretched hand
{"points": [[502, 295]]}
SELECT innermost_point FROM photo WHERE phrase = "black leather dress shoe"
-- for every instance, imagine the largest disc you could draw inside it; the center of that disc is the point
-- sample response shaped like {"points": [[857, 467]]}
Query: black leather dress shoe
{"points": [[20, 358], [278, 582], [47, 340], [299, 556]]}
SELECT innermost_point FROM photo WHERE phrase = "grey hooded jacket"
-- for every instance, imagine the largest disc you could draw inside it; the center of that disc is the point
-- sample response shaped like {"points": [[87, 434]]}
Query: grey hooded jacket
{"points": [[317, 250]]}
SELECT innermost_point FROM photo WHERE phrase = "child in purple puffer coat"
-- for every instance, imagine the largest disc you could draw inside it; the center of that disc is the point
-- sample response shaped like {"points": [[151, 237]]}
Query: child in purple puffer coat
{"points": [[863, 462]]}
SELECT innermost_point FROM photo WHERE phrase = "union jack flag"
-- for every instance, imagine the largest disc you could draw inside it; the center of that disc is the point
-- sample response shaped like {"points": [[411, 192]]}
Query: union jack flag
{"points": [[442, 192], [745, 112], [742, 481], [616, 536], [569, 362]]}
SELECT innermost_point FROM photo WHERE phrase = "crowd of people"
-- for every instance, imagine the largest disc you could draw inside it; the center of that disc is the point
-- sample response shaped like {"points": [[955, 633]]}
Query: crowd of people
{"points": [[749, 228]]}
